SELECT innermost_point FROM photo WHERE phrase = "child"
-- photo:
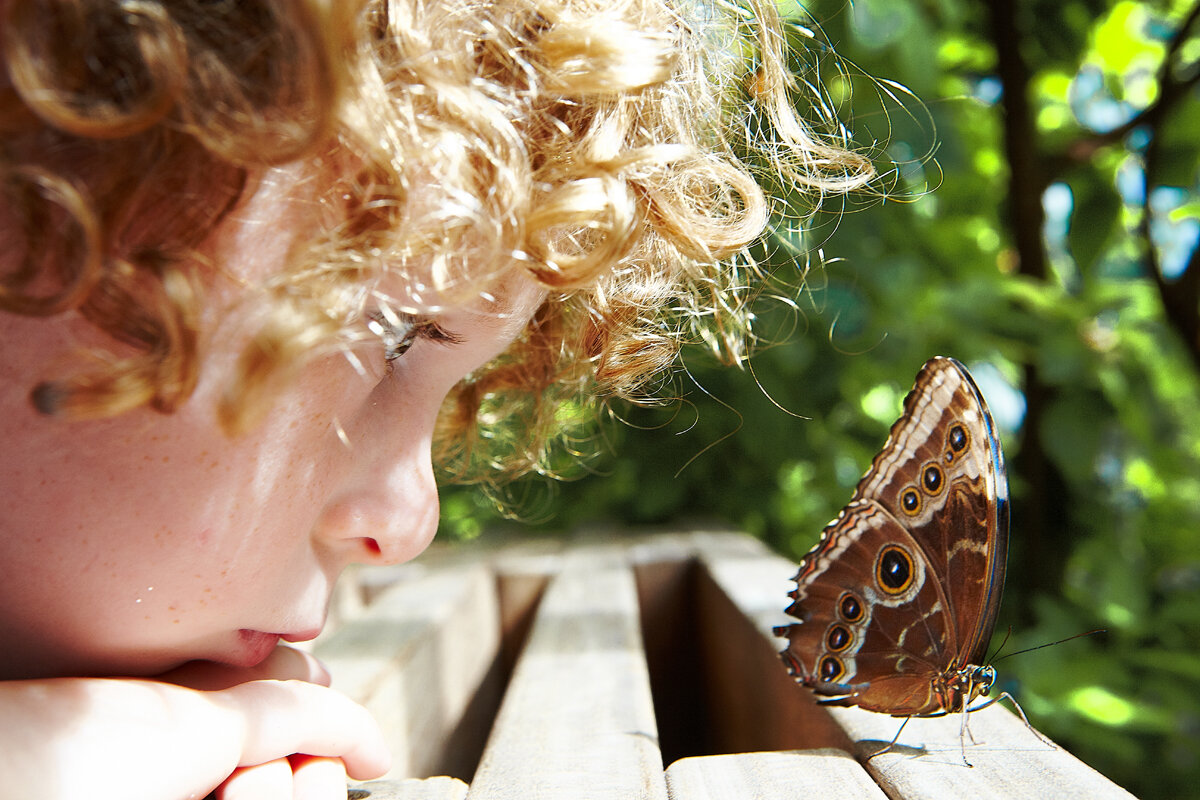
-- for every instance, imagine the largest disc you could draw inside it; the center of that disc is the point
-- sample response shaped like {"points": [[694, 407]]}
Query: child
{"points": [[262, 266]]}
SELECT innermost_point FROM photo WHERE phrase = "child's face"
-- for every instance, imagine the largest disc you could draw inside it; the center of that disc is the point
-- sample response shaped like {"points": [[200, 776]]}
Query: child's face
{"points": [[131, 545]]}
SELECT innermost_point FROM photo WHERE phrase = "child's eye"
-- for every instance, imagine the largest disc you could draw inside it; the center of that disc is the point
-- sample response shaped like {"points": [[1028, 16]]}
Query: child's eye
{"points": [[399, 331]]}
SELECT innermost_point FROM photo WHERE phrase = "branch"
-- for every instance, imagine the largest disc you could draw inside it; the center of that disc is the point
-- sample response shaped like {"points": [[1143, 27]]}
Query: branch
{"points": [[1173, 86], [1180, 297], [1027, 177]]}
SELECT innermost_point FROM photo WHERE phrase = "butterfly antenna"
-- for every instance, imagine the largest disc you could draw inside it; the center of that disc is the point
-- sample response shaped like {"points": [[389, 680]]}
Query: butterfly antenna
{"points": [[991, 659], [1049, 644]]}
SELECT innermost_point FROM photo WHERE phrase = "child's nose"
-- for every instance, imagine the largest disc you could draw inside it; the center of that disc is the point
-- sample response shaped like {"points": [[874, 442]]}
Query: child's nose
{"points": [[387, 517], [386, 509]]}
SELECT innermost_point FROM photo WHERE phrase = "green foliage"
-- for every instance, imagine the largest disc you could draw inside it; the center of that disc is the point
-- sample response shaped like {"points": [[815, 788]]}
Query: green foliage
{"points": [[1090, 365]]}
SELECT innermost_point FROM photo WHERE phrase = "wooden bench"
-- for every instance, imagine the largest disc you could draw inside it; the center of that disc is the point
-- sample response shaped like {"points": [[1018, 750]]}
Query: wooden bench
{"points": [[636, 668]]}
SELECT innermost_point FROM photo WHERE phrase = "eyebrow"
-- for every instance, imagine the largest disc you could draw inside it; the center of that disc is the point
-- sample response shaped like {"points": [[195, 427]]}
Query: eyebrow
{"points": [[498, 298], [494, 304]]}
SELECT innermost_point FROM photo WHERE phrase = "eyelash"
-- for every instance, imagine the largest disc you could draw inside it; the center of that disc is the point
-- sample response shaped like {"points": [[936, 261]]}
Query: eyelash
{"points": [[397, 339]]}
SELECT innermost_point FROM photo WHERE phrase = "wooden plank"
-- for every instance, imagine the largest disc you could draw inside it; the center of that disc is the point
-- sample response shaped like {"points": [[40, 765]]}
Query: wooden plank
{"points": [[689, 545], [829, 774], [755, 704], [1007, 759], [420, 657], [577, 720], [440, 788], [757, 584]]}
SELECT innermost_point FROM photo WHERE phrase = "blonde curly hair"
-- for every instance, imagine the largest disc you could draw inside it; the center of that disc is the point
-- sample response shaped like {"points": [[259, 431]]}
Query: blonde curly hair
{"points": [[605, 147]]}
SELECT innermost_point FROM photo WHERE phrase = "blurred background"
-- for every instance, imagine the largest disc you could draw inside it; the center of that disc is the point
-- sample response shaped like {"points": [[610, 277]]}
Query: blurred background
{"points": [[1039, 222]]}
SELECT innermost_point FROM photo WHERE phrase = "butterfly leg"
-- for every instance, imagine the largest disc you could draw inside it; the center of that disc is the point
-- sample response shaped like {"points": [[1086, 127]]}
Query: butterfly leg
{"points": [[963, 732], [1021, 712], [892, 743]]}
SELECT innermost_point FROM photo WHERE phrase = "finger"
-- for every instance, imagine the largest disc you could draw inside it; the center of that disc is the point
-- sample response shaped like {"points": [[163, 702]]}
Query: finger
{"points": [[283, 664], [269, 781], [289, 664], [317, 778], [286, 717]]}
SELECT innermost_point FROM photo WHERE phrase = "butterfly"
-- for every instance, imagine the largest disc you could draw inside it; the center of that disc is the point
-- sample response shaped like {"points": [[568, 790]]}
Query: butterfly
{"points": [[897, 601]]}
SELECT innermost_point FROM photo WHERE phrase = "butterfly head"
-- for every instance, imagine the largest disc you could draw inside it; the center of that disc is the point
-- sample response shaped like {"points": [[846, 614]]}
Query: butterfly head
{"points": [[967, 684], [983, 679]]}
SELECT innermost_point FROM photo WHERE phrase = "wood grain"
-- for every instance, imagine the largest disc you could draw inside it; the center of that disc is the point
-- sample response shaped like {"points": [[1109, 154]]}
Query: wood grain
{"points": [[440, 788], [1007, 760], [577, 720], [828, 774], [417, 658]]}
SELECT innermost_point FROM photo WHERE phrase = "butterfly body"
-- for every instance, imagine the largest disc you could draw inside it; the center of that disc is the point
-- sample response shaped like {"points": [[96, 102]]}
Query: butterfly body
{"points": [[897, 602]]}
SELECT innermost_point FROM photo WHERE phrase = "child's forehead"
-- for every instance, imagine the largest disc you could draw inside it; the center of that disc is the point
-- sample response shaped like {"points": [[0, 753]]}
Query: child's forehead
{"points": [[286, 205], [279, 208]]}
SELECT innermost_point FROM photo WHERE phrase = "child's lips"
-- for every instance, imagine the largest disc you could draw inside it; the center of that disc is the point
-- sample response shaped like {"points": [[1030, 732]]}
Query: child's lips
{"points": [[301, 636], [253, 647]]}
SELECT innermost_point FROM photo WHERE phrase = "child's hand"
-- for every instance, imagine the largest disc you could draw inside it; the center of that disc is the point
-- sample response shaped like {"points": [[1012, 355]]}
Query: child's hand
{"points": [[130, 738], [293, 776], [302, 741]]}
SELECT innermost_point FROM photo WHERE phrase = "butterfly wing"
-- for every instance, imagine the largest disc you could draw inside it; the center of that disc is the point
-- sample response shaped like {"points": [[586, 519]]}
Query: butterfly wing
{"points": [[905, 583], [941, 474], [873, 626]]}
